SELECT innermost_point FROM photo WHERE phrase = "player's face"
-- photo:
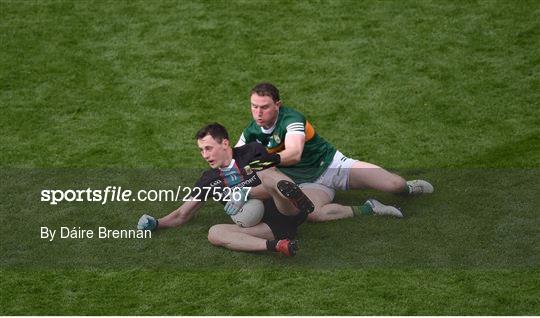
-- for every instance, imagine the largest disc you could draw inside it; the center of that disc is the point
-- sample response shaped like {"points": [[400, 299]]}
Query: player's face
{"points": [[264, 110], [215, 153]]}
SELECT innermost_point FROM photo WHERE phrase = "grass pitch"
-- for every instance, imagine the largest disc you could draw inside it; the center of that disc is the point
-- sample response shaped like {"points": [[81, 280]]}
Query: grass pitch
{"points": [[444, 90]]}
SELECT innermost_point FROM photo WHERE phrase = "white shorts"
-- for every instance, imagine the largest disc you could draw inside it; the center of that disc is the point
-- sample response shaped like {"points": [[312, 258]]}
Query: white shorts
{"points": [[317, 186], [335, 177]]}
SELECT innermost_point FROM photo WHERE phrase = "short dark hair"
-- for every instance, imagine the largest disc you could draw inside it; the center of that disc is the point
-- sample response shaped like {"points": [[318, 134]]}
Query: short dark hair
{"points": [[266, 89], [217, 131]]}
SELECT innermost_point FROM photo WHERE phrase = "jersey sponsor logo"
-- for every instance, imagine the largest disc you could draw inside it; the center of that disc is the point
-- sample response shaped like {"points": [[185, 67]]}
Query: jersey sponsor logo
{"points": [[253, 181]]}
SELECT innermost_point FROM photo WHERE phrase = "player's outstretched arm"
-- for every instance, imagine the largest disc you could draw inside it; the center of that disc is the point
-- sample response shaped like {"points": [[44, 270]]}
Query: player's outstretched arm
{"points": [[176, 218], [181, 215], [294, 145]]}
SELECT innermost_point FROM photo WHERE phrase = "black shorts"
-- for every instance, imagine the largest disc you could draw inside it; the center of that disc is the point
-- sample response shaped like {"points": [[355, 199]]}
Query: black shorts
{"points": [[282, 226]]}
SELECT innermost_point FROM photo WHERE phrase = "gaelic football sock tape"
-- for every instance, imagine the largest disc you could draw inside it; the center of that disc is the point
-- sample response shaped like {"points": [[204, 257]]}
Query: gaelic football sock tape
{"points": [[364, 209], [271, 245]]}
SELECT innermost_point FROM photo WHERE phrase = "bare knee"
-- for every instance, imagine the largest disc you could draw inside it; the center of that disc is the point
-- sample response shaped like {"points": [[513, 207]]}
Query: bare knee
{"points": [[216, 234], [269, 177], [270, 187]]}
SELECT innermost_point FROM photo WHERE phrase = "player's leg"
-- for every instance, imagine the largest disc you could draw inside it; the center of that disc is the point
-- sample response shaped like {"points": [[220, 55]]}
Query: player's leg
{"points": [[331, 212], [259, 192], [327, 211], [322, 197], [324, 210], [364, 175], [252, 239], [233, 237], [288, 197]]}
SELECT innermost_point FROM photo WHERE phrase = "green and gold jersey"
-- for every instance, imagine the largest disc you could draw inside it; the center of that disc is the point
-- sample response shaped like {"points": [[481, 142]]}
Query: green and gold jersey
{"points": [[317, 154]]}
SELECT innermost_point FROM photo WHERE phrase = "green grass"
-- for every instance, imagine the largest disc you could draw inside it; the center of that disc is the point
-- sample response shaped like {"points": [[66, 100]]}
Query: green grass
{"points": [[446, 90], [272, 292]]}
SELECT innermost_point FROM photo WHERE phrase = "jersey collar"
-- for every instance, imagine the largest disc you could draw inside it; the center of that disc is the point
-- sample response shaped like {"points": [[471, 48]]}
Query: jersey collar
{"points": [[229, 167]]}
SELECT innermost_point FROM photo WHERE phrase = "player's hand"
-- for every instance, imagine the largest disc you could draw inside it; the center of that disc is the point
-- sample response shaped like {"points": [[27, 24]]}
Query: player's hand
{"points": [[237, 201], [265, 162], [147, 222], [258, 165]]}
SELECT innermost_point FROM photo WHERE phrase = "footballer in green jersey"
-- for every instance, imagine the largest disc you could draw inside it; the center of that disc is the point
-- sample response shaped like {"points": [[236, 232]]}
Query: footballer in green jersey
{"points": [[316, 156], [316, 165]]}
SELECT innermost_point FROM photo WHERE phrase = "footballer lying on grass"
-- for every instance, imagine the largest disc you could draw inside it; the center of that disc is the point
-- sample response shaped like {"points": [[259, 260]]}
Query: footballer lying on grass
{"points": [[316, 165], [233, 172]]}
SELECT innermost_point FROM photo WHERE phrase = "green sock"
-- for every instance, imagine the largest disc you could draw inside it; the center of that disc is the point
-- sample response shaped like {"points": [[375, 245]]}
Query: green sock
{"points": [[364, 209], [407, 189]]}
